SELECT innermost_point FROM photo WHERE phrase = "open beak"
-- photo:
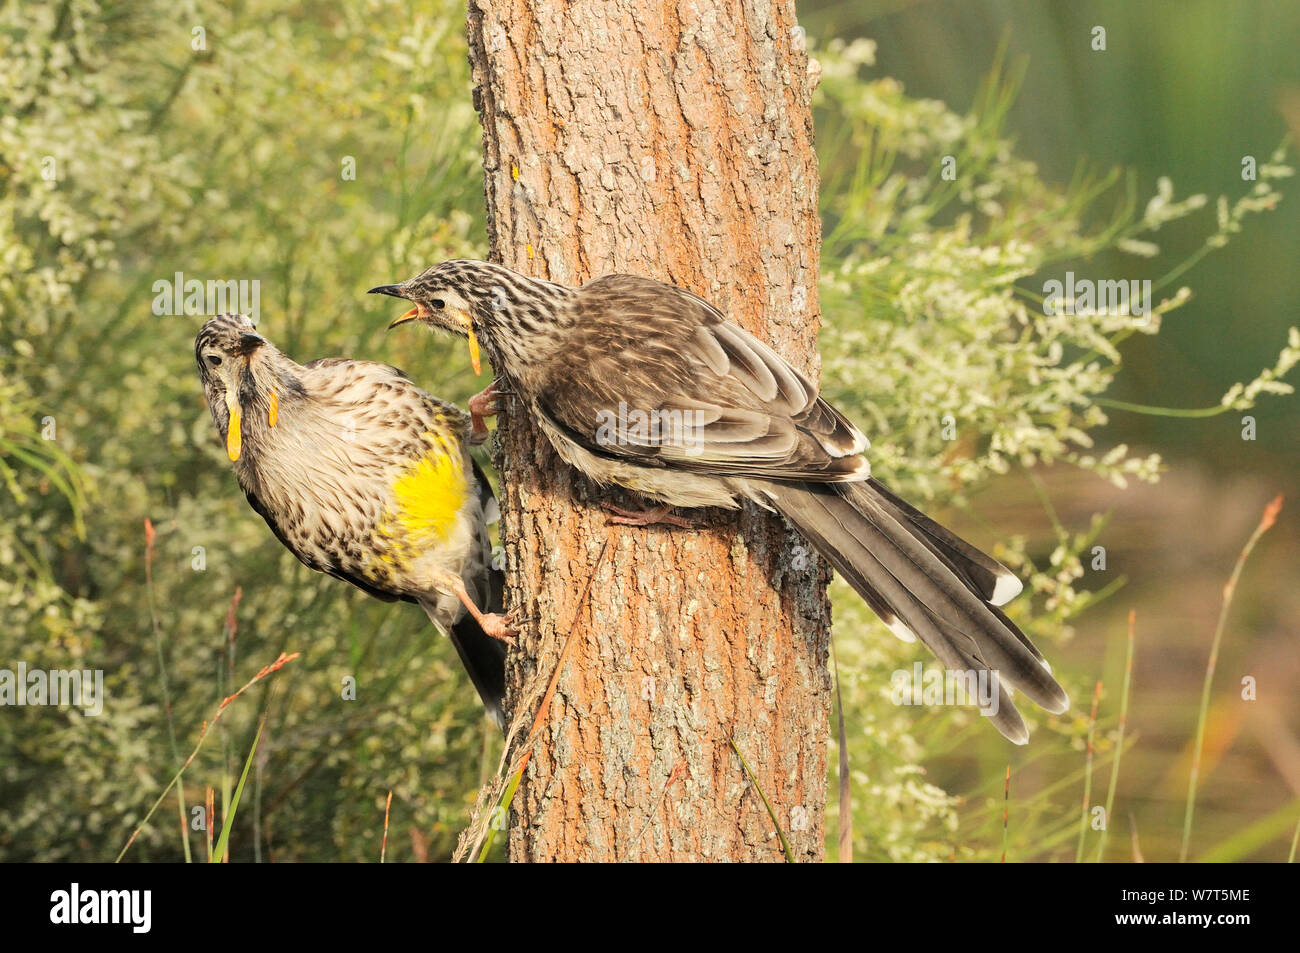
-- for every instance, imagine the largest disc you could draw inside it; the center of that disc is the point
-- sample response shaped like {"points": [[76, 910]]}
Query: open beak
{"points": [[411, 315], [395, 291], [418, 312]]}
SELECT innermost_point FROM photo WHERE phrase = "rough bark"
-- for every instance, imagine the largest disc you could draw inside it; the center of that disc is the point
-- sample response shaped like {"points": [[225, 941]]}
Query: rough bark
{"points": [[671, 139]]}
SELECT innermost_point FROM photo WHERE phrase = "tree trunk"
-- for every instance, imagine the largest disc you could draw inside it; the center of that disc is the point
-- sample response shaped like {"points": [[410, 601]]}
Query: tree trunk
{"points": [[674, 140]]}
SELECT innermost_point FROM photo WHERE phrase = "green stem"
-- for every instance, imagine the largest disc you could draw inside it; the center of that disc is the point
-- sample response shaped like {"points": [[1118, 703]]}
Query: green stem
{"points": [[1163, 411], [1119, 741], [167, 704], [1087, 777], [845, 855], [785, 844], [1270, 514], [223, 842]]}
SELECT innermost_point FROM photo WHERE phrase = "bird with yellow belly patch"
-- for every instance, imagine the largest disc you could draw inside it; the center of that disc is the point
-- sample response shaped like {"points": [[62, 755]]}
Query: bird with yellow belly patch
{"points": [[364, 476], [427, 497]]}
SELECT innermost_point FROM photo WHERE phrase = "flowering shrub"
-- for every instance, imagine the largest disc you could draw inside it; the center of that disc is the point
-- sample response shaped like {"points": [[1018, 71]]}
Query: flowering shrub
{"points": [[310, 149]]}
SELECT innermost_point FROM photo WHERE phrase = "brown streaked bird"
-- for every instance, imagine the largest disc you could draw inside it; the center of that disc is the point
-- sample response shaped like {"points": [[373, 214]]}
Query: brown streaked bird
{"points": [[684, 407], [362, 475]]}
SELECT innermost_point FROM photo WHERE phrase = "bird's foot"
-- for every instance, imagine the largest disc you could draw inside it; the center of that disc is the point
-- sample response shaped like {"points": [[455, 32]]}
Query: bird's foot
{"points": [[502, 627], [646, 517], [488, 403]]}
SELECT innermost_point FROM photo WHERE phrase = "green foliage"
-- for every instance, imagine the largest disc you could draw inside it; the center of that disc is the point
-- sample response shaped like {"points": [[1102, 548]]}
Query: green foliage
{"points": [[142, 139], [225, 162], [935, 322]]}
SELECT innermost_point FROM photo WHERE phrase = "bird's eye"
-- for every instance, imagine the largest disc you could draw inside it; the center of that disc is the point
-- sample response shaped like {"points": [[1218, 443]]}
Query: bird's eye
{"points": [[438, 303], [214, 359]]}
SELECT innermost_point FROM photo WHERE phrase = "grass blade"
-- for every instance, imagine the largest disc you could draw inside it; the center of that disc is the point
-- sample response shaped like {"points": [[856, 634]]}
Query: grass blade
{"points": [[182, 813], [275, 666], [1006, 813], [785, 844], [1123, 724], [1265, 523], [1133, 840], [845, 848], [209, 806], [383, 845], [508, 796], [1087, 775], [223, 843], [1258, 835]]}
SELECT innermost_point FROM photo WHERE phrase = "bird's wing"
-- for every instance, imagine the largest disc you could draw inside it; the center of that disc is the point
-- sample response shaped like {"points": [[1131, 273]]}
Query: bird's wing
{"points": [[310, 563], [667, 381], [325, 363], [369, 369], [483, 656], [350, 387]]}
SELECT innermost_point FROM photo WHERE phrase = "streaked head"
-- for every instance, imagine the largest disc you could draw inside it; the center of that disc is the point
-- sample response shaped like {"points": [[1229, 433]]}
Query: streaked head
{"points": [[477, 299], [223, 343], [443, 296], [241, 371]]}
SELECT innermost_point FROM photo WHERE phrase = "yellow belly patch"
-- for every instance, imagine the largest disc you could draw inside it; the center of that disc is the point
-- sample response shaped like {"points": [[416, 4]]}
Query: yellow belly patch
{"points": [[428, 497]]}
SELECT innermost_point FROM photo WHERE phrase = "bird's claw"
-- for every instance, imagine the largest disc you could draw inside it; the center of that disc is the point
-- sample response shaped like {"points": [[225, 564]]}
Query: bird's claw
{"points": [[487, 403], [646, 517], [502, 627]]}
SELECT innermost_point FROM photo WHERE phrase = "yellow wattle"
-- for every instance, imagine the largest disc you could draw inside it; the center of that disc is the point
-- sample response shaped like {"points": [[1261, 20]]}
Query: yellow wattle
{"points": [[274, 415], [473, 353], [234, 443]]}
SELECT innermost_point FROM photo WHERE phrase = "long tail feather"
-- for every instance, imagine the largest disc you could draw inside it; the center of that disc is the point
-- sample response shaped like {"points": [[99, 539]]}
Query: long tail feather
{"points": [[921, 578], [986, 576], [484, 659]]}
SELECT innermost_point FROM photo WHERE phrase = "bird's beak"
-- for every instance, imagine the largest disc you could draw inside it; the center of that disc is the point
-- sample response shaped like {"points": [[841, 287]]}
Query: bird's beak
{"points": [[248, 343], [408, 316], [396, 291], [419, 312]]}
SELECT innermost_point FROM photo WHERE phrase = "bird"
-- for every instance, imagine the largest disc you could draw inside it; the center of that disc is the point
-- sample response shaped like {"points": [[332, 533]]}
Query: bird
{"points": [[687, 409], [365, 477]]}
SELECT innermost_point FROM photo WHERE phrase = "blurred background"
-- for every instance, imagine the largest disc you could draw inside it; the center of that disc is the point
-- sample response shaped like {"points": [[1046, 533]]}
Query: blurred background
{"points": [[1183, 90], [320, 151]]}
